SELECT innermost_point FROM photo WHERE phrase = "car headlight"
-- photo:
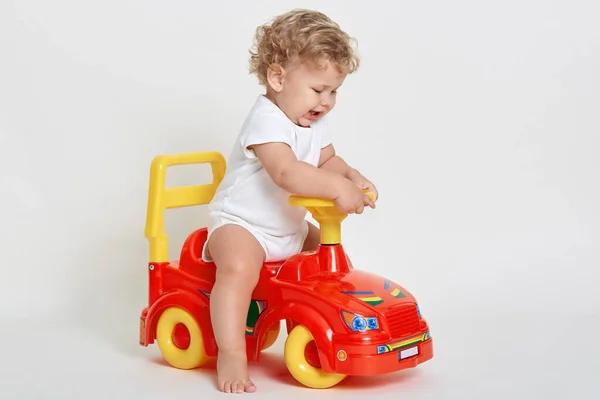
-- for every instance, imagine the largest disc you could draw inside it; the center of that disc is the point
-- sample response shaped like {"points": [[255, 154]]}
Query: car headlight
{"points": [[372, 323], [358, 323]]}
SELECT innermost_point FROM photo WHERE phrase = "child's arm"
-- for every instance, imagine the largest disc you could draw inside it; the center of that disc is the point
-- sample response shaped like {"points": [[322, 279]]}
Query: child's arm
{"points": [[303, 179], [329, 160]]}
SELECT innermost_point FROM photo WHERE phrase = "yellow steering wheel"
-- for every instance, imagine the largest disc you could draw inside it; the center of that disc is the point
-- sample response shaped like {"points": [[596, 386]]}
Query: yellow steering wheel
{"points": [[326, 213]]}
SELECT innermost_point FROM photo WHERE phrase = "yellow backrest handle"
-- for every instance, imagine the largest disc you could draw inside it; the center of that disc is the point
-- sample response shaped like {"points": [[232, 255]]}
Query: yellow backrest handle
{"points": [[160, 198]]}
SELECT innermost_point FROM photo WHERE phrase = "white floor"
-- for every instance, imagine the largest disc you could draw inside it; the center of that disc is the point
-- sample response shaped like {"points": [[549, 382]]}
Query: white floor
{"points": [[501, 357]]}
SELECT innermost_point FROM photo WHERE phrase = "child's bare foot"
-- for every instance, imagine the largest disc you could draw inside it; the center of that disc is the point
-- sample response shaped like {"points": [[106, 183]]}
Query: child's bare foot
{"points": [[232, 373]]}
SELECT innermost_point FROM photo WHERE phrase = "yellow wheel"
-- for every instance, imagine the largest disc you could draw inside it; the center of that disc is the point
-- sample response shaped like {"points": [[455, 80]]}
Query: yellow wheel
{"points": [[302, 359], [272, 335], [180, 340]]}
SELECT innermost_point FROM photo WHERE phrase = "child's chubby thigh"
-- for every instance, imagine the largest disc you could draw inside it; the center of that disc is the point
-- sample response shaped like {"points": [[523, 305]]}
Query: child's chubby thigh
{"points": [[276, 247]]}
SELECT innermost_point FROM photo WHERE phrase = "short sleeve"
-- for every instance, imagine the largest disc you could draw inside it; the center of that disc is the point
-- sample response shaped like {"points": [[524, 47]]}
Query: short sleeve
{"points": [[265, 128]]}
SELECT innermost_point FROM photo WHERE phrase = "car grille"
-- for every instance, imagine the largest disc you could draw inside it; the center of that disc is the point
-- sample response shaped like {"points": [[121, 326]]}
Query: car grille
{"points": [[403, 320]]}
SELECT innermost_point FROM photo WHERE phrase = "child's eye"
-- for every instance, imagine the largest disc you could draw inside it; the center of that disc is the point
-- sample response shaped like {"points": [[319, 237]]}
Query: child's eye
{"points": [[317, 91]]}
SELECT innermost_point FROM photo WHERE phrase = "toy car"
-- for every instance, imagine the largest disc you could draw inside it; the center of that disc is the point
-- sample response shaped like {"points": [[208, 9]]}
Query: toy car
{"points": [[340, 321]]}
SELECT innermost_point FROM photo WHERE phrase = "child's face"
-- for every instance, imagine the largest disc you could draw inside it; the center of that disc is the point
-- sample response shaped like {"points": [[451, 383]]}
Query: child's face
{"points": [[305, 92]]}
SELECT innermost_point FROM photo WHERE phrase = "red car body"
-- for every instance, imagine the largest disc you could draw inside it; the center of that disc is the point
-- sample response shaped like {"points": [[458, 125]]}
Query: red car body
{"points": [[320, 290]]}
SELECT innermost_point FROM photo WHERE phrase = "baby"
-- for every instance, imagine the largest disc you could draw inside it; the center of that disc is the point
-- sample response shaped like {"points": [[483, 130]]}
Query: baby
{"points": [[284, 147]]}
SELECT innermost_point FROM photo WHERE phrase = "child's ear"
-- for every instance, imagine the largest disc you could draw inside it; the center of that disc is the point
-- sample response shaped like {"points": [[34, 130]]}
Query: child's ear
{"points": [[275, 75]]}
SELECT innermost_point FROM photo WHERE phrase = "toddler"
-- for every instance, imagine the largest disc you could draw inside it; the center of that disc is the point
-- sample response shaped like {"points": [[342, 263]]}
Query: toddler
{"points": [[284, 147]]}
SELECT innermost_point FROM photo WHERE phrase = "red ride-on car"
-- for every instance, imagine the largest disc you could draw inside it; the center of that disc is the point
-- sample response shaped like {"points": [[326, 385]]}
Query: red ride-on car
{"points": [[340, 321]]}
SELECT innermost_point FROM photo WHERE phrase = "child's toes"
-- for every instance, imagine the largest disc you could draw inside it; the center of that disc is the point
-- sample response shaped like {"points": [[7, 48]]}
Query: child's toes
{"points": [[249, 386]]}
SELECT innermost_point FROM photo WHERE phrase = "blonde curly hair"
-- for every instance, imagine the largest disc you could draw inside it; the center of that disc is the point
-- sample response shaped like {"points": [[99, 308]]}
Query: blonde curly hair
{"points": [[305, 35]]}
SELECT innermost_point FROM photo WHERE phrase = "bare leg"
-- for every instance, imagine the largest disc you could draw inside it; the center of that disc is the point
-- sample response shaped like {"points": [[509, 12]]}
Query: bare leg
{"points": [[313, 239], [239, 258]]}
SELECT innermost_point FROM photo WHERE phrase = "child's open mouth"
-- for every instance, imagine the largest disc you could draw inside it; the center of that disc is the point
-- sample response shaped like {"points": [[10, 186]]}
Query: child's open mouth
{"points": [[313, 115]]}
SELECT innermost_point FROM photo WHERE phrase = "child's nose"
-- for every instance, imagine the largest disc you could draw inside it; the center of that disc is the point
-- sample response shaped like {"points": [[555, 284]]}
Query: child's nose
{"points": [[326, 102]]}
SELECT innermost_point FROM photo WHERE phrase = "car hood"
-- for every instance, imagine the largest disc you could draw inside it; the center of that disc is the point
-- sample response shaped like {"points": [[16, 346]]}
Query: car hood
{"points": [[359, 291]]}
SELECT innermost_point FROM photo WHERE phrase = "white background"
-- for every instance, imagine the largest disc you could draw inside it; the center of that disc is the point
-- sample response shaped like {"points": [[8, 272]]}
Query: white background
{"points": [[478, 121]]}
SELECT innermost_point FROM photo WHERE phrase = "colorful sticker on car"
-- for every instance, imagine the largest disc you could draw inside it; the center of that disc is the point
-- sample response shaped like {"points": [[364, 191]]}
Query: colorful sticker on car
{"points": [[386, 348], [257, 307], [373, 300], [397, 293], [367, 297]]}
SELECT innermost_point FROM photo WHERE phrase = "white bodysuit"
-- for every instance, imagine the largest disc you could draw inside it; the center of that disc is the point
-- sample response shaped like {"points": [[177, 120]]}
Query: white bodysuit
{"points": [[248, 197]]}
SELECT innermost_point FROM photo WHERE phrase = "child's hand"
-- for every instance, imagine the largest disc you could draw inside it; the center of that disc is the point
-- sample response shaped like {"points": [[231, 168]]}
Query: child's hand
{"points": [[352, 199], [364, 184]]}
